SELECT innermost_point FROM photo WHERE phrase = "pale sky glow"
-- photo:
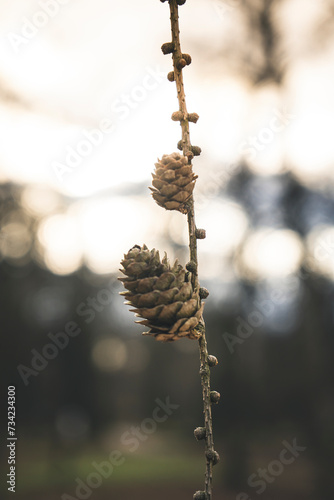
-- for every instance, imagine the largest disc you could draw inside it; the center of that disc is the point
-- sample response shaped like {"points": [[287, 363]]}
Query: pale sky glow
{"points": [[226, 224], [271, 254], [310, 146], [97, 233], [226, 230], [313, 162], [27, 145], [225, 106], [296, 32], [110, 227], [268, 124], [95, 63]]}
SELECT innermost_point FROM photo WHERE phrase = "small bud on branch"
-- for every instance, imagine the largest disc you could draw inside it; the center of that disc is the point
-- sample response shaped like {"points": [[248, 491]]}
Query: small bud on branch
{"points": [[171, 76], [191, 266], [200, 234], [196, 150], [181, 63], [167, 48], [177, 116], [213, 456], [203, 293], [200, 495], [212, 361], [187, 58], [214, 397], [200, 433], [190, 156], [193, 117]]}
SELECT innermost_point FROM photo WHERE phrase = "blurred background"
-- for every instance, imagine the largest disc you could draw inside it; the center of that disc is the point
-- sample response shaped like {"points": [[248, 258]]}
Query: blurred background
{"points": [[85, 113]]}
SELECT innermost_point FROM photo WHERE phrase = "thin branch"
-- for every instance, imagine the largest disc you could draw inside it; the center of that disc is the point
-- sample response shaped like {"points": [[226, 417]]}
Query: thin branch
{"points": [[178, 62]]}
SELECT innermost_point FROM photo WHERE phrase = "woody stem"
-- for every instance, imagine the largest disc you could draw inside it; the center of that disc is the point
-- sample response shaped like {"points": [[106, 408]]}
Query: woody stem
{"points": [[186, 148]]}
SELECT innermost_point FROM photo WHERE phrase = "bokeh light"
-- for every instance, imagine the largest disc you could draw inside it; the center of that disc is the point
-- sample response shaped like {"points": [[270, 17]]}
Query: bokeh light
{"points": [[60, 239], [271, 253], [110, 354], [39, 201], [15, 240]]}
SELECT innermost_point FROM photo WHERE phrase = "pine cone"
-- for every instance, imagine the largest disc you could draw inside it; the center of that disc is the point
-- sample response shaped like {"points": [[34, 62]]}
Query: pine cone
{"points": [[161, 295], [173, 182]]}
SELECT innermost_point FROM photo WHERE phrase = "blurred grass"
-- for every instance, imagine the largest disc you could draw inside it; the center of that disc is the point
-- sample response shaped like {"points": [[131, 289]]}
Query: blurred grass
{"points": [[161, 462], [37, 474]]}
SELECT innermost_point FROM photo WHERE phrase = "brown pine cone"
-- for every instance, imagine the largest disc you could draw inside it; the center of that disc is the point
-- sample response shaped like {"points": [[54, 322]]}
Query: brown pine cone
{"points": [[161, 295], [173, 182]]}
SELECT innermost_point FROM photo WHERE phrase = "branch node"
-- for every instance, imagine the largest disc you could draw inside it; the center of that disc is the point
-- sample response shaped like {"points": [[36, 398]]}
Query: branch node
{"points": [[196, 150], [181, 63], [200, 433], [167, 48], [190, 156], [177, 116], [191, 266], [200, 495], [193, 117], [171, 76], [203, 293], [212, 361], [200, 233], [214, 397], [187, 58], [213, 456]]}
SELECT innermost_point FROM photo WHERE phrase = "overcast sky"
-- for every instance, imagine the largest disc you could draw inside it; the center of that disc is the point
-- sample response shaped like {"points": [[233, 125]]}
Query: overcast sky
{"points": [[85, 108]]}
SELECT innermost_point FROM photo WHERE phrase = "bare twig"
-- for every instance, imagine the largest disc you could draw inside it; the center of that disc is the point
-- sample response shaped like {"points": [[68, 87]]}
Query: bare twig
{"points": [[179, 61]]}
